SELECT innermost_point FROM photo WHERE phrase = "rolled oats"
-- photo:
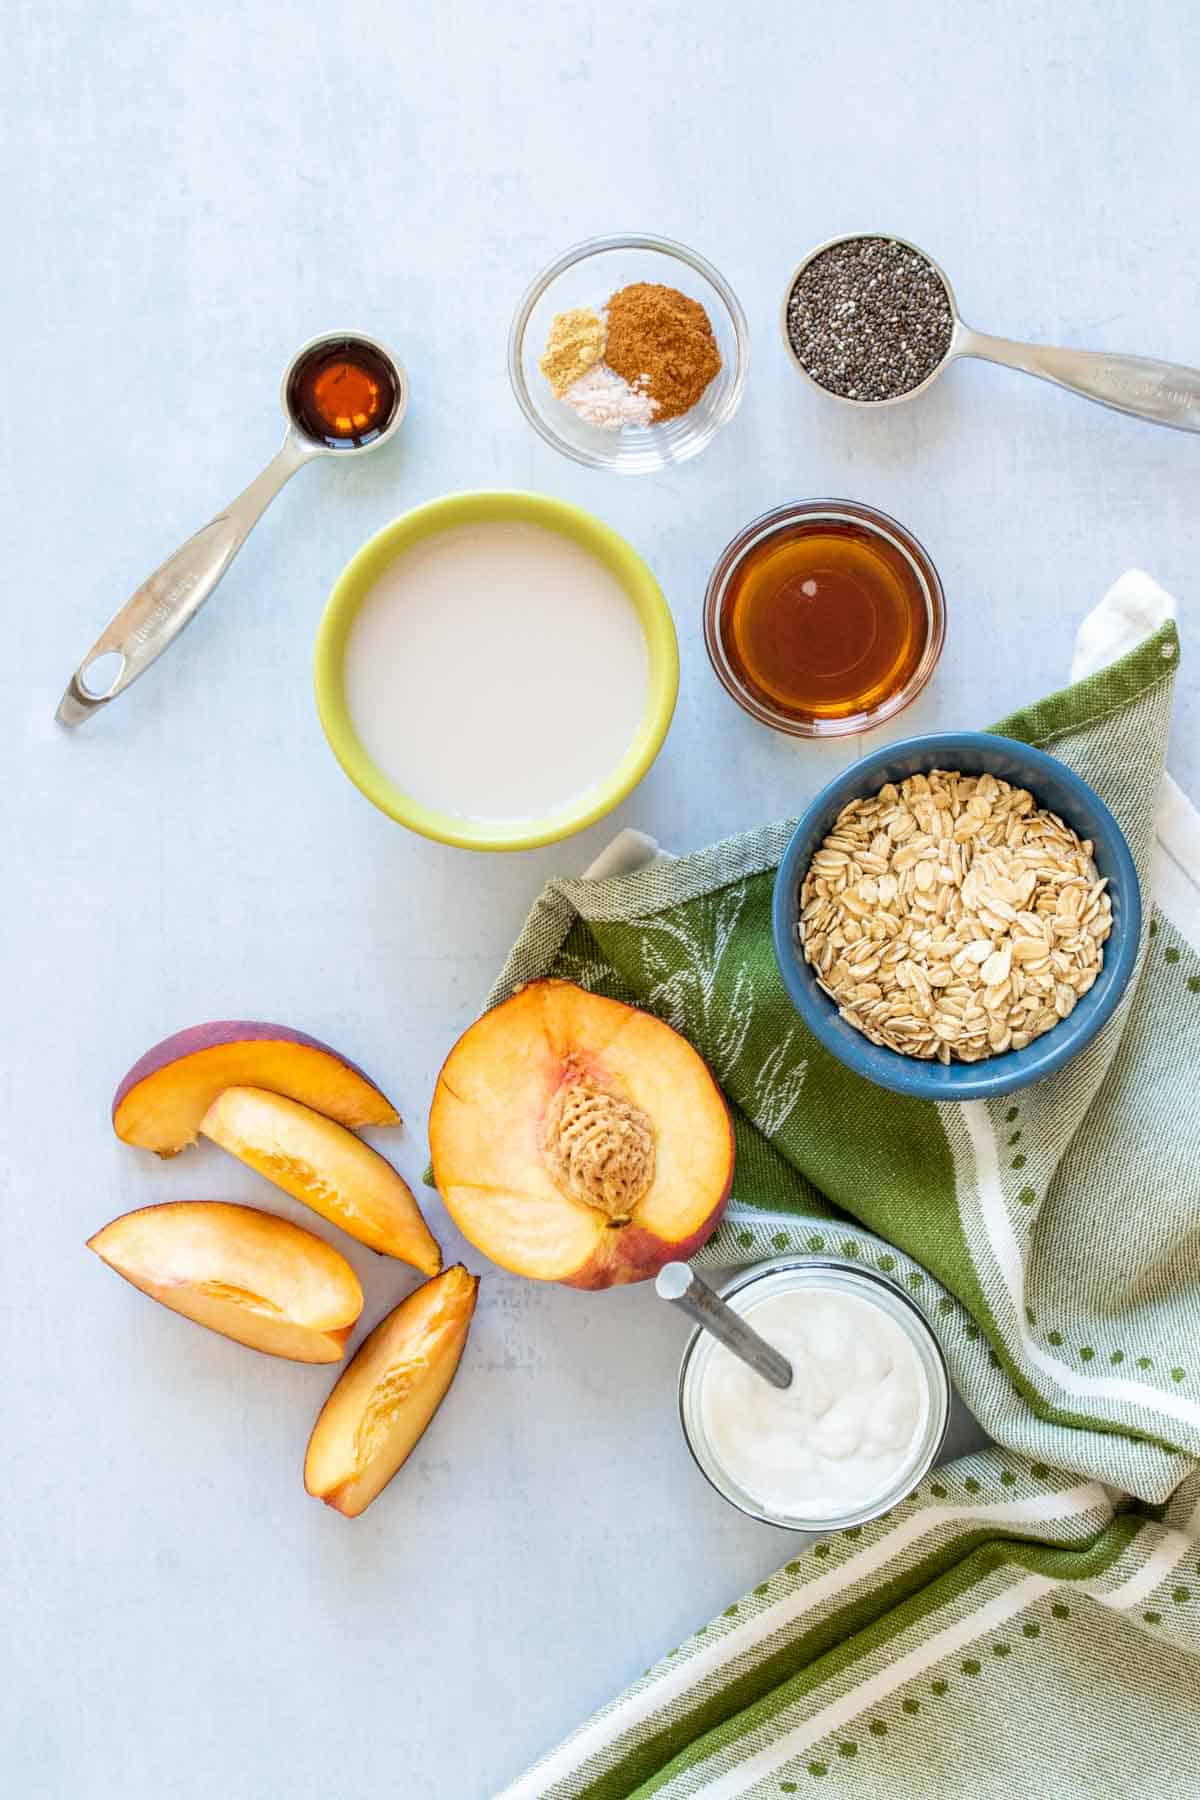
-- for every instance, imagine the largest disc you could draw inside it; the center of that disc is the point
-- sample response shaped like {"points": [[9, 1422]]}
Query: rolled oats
{"points": [[952, 917]]}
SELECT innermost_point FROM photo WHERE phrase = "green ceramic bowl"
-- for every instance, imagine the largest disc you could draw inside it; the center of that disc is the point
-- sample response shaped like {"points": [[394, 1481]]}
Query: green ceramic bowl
{"points": [[365, 569]]}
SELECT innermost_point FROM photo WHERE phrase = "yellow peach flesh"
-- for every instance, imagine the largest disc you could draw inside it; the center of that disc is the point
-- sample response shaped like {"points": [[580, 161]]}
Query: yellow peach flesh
{"points": [[500, 1091], [325, 1166], [250, 1276], [386, 1397]]}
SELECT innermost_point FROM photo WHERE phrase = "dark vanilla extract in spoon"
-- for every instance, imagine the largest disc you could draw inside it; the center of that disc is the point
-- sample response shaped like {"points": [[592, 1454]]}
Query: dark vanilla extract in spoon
{"points": [[343, 394]]}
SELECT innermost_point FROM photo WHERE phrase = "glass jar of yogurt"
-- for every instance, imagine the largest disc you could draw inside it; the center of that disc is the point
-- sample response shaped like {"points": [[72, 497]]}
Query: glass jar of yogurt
{"points": [[863, 1419]]}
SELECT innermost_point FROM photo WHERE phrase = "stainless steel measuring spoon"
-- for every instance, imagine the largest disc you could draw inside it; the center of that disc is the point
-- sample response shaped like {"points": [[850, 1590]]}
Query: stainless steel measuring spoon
{"points": [[171, 597], [1164, 393]]}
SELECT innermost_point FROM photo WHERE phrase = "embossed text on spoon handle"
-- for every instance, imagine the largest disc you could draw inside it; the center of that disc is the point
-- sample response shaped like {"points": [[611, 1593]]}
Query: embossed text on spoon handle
{"points": [[1165, 393]]}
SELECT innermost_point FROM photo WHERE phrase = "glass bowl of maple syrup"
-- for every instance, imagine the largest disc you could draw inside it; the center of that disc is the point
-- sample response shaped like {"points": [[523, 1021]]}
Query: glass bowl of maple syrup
{"points": [[823, 618]]}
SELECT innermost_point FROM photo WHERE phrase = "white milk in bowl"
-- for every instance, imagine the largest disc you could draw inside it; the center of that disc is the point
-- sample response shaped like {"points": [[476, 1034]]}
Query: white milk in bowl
{"points": [[497, 671]]}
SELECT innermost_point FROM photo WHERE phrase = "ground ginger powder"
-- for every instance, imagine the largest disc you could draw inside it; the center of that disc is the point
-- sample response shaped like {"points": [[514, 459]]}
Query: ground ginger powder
{"points": [[575, 345], [658, 337]]}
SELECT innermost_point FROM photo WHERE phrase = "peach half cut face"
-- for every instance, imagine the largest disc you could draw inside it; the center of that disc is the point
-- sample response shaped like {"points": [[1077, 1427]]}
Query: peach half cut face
{"points": [[580, 1140], [325, 1166], [387, 1395], [247, 1274], [160, 1103]]}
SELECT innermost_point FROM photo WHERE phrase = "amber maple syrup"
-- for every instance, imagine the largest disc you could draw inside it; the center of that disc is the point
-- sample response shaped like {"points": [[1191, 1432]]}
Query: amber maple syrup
{"points": [[343, 394], [824, 619]]}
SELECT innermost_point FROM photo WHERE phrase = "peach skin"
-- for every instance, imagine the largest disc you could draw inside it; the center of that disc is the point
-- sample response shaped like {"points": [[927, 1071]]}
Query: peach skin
{"points": [[160, 1103]]}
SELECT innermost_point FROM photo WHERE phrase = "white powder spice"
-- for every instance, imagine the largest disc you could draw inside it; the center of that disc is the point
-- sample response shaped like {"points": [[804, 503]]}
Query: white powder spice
{"points": [[604, 398]]}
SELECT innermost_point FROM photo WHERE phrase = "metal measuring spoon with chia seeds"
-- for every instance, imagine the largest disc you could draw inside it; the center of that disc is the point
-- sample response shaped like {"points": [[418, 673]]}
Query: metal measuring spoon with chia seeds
{"points": [[873, 320]]}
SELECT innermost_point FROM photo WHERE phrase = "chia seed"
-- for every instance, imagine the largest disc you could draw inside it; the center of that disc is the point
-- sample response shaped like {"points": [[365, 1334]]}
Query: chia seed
{"points": [[869, 319]]}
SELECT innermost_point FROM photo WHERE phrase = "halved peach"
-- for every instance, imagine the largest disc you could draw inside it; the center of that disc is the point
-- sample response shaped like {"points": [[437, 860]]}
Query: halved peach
{"points": [[247, 1274], [388, 1393], [160, 1103], [577, 1139], [317, 1161]]}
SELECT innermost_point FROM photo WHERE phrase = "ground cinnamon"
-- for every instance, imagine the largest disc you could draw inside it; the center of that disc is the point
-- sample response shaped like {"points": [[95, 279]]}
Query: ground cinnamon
{"points": [[658, 337]]}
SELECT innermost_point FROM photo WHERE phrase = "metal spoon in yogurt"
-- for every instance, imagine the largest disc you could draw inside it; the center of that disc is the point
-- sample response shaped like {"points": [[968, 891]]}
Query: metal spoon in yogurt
{"points": [[170, 598], [1164, 393], [679, 1283]]}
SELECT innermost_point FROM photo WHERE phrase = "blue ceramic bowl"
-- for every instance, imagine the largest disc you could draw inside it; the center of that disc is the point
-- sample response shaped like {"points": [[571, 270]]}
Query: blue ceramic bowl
{"points": [[1052, 785]]}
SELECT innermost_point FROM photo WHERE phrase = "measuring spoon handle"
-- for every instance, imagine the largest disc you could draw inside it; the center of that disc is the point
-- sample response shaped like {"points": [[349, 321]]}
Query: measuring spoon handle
{"points": [[171, 597], [1163, 392]]}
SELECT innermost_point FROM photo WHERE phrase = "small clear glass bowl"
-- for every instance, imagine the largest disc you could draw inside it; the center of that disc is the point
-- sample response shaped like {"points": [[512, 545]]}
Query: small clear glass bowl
{"points": [[587, 275], [863, 519], [788, 1274]]}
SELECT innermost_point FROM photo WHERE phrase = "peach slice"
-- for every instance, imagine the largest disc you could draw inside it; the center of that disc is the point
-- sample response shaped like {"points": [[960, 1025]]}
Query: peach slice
{"points": [[247, 1274], [577, 1139], [388, 1393], [317, 1161], [162, 1100]]}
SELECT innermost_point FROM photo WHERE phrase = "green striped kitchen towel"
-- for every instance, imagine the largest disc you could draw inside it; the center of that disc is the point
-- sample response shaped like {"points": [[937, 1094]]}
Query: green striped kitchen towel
{"points": [[1004, 1633], [1016, 1628]]}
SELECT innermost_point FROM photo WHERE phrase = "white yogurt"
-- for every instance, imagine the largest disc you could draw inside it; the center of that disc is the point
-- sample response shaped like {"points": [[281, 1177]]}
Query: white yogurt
{"points": [[497, 671], [853, 1422]]}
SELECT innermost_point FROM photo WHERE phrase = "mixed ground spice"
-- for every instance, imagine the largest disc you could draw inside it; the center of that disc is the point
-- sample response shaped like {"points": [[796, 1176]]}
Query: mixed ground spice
{"points": [[646, 357]]}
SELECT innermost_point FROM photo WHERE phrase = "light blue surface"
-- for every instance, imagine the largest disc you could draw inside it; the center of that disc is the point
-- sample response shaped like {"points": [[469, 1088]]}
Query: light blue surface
{"points": [[193, 191], [1053, 785]]}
